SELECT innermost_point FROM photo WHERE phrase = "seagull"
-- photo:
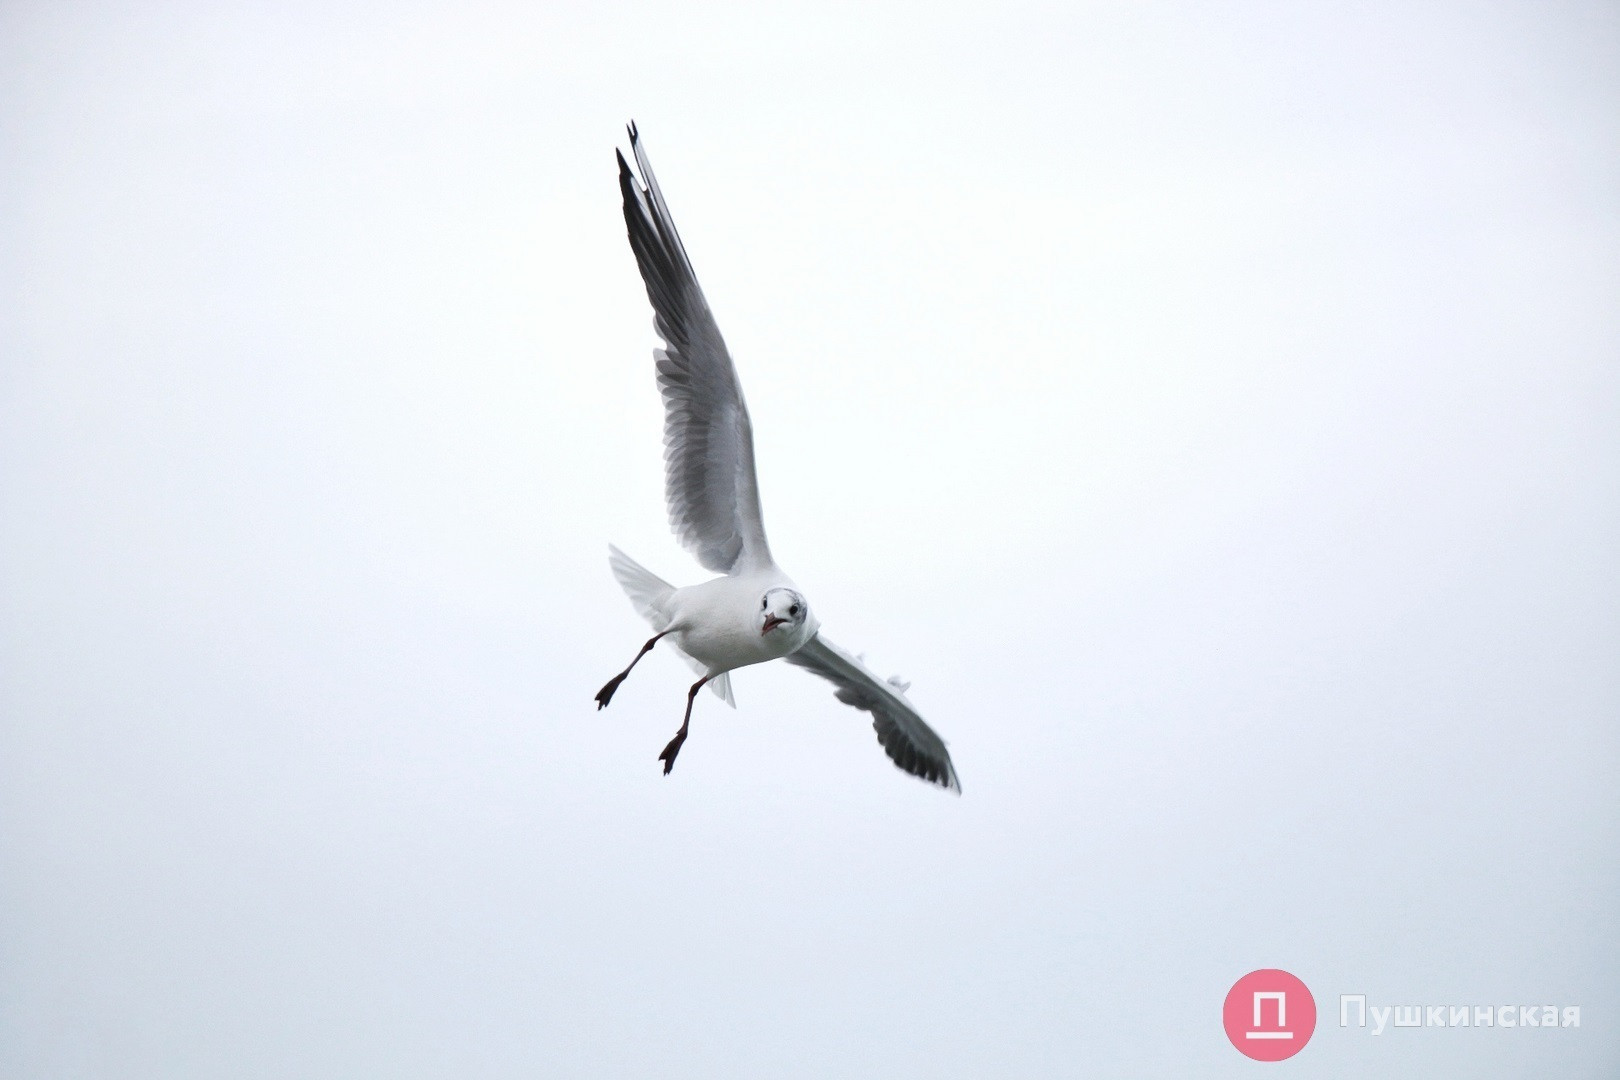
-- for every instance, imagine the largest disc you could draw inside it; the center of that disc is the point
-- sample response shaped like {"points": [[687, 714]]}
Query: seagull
{"points": [[754, 613]]}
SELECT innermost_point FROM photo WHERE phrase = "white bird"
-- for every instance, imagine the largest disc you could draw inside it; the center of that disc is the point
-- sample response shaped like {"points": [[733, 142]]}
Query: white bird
{"points": [[754, 613]]}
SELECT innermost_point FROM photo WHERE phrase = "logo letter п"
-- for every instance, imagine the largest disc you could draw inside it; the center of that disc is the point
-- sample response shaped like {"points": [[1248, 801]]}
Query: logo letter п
{"points": [[1361, 1009]]}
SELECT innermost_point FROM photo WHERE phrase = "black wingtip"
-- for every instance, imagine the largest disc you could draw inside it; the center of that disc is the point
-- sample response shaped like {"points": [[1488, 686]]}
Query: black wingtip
{"points": [[634, 134]]}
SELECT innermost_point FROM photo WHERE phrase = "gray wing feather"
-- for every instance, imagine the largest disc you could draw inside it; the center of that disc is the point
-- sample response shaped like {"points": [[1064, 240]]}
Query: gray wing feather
{"points": [[709, 478], [905, 736]]}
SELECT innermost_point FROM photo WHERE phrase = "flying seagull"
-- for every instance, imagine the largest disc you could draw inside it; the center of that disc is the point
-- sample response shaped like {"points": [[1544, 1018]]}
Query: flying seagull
{"points": [[754, 613]]}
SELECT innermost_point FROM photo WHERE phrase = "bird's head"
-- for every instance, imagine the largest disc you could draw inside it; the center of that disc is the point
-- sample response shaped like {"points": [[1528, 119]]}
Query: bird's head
{"points": [[782, 610]]}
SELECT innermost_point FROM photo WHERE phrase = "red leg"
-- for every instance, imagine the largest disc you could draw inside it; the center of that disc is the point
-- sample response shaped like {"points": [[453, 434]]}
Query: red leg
{"points": [[605, 695], [674, 747]]}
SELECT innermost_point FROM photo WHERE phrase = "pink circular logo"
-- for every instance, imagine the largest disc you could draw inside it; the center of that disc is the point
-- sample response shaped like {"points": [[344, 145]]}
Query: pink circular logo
{"points": [[1269, 1015]]}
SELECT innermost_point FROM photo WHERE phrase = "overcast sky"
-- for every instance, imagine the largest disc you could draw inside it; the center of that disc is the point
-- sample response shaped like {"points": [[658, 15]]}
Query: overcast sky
{"points": [[1213, 413]]}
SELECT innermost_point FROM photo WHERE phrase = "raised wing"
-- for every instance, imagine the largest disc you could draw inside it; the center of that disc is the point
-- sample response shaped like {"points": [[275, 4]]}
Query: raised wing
{"points": [[708, 441], [905, 736]]}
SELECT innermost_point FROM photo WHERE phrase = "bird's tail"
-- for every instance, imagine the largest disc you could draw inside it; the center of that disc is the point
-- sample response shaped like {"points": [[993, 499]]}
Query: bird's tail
{"points": [[649, 594]]}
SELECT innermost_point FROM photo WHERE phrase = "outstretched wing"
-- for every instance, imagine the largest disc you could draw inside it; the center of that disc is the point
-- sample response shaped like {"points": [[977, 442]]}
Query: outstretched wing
{"points": [[708, 441], [905, 736]]}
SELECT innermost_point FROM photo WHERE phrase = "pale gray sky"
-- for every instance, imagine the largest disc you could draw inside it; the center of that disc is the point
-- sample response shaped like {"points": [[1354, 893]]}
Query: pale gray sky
{"points": [[1212, 412]]}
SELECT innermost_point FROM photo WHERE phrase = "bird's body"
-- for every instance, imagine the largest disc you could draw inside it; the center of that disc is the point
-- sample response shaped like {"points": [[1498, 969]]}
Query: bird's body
{"points": [[754, 613], [713, 622]]}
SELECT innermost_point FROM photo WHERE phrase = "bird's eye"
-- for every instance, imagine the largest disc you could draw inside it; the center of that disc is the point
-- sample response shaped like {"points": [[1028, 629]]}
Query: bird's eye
{"points": [[765, 603], [794, 610]]}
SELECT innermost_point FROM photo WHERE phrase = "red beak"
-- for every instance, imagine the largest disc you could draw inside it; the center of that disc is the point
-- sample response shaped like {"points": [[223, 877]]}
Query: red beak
{"points": [[771, 623]]}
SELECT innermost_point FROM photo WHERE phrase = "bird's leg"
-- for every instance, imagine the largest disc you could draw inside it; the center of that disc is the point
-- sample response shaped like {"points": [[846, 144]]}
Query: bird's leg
{"points": [[674, 747], [605, 695]]}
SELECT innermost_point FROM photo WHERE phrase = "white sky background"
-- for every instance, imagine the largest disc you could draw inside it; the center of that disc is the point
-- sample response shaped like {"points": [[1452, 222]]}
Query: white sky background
{"points": [[1213, 413]]}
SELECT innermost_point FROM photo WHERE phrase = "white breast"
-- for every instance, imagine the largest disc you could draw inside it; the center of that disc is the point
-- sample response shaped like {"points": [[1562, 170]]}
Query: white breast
{"points": [[718, 624]]}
